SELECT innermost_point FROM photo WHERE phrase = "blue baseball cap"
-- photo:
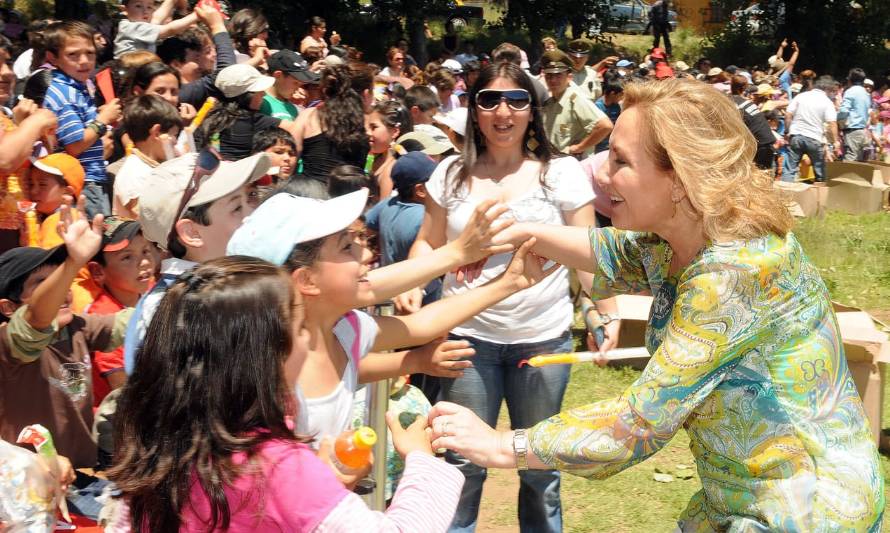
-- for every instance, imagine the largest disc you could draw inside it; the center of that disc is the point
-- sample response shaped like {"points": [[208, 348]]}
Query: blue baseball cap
{"points": [[285, 220], [624, 63], [411, 169]]}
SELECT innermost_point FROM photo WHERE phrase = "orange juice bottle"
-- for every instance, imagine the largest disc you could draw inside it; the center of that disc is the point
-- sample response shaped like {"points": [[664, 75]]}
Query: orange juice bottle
{"points": [[352, 449]]}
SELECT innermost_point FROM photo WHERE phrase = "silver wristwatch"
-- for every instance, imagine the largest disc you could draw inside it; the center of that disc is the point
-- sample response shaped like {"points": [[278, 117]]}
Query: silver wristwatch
{"points": [[520, 449], [606, 318]]}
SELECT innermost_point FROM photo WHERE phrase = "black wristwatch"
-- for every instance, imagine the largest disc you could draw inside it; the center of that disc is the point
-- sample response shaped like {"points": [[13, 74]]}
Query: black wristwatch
{"points": [[99, 127]]}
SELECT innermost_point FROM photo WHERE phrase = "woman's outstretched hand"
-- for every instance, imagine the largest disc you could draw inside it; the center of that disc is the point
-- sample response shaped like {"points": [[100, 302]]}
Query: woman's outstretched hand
{"points": [[526, 269], [458, 429]]}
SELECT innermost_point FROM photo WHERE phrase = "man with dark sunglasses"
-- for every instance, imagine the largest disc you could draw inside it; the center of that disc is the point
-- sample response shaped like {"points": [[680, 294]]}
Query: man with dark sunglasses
{"points": [[191, 208], [572, 122]]}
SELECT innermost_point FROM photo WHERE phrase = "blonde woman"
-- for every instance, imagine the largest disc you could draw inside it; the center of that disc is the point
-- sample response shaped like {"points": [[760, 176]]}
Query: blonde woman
{"points": [[746, 353]]}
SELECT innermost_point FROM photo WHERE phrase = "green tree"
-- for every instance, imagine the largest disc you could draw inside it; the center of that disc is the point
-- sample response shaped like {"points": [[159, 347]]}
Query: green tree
{"points": [[833, 35]]}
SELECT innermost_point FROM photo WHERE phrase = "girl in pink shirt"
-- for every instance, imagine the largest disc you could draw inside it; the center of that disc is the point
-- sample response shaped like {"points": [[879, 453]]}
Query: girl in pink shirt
{"points": [[203, 440]]}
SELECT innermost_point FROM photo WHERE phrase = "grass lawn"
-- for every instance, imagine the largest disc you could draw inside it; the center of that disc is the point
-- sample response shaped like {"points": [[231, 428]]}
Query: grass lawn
{"points": [[853, 253]]}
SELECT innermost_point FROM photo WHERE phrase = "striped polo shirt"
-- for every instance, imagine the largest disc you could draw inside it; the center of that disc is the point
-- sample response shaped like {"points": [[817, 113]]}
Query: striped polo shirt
{"points": [[70, 100]]}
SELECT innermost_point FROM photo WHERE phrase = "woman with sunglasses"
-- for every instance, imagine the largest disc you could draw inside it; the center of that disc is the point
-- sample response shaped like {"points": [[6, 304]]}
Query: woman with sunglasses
{"points": [[507, 157]]}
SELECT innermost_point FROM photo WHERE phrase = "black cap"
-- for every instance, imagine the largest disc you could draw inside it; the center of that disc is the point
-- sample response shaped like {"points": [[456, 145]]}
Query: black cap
{"points": [[118, 234], [580, 47], [554, 61], [19, 262], [292, 63], [412, 168]]}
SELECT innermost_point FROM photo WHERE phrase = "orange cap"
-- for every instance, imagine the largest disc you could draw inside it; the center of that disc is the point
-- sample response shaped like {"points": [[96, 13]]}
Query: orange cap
{"points": [[66, 167]]}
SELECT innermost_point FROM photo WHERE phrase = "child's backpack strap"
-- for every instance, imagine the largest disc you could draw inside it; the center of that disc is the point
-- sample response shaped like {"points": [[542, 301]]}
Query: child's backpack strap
{"points": [[352, 318]]}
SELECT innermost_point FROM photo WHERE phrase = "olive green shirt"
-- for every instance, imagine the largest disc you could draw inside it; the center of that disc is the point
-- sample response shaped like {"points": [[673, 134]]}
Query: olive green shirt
{"points": [[570, 118], [588, 81]]}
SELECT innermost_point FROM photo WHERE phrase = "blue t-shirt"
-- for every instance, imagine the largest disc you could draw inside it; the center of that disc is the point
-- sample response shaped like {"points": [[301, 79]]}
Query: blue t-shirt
{"points": [[70, 100], [857, 106], [397, 223], [611, 111], [785, 82]]}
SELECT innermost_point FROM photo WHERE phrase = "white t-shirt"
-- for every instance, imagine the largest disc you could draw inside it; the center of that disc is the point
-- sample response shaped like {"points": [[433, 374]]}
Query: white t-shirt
{"points": [[129, 183], [811, 110], [330, 415], [136, 36], [544, 311]]}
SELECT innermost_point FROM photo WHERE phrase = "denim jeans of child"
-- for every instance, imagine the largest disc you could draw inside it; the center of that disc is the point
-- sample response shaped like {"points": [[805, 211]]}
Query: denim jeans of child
{"points": [[532, 394]]}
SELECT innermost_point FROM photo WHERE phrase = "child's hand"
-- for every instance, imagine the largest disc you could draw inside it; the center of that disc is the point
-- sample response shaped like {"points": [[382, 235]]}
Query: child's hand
{"points": [[444, 358], [187, 112], [82, 240], [526, 269], [110, 112], [326, 450], [210, 16], [409, 301], [414, 439], [475, 242], [24, 109]]}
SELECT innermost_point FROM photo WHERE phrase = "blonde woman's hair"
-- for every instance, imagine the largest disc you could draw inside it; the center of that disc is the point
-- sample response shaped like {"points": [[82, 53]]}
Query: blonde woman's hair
{"points": [[697, 132]]}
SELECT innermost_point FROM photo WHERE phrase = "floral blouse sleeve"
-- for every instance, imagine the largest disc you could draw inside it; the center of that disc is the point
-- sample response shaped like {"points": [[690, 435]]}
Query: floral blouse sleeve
{"points": [[710, 328], [627, 262]]}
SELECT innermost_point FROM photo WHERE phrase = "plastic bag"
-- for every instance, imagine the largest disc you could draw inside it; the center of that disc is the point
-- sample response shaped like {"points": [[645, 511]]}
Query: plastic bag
{"points": [[27, 491]]}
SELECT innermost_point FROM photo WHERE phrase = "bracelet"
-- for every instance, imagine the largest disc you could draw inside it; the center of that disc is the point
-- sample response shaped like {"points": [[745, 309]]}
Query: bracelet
{"points": [[98, 126]]}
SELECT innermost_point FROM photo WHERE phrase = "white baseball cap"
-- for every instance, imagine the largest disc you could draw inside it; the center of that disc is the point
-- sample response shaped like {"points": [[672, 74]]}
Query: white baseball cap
{"points": [[285, 220], [456, 119], [166, 184], [236, 80], [453, 65]]}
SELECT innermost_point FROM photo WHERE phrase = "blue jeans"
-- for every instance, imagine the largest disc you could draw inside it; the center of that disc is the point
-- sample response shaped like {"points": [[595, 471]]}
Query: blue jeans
{"points": [[532, 394], [799, 146]]}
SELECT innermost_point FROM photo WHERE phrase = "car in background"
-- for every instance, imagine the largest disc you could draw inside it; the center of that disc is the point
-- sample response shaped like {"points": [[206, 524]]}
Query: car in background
{"points": [[628, 16], [756, 19]]}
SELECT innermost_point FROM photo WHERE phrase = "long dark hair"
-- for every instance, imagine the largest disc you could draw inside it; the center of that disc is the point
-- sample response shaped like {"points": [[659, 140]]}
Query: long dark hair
{"points": [[342, 117], [246, 24], [474, 142], [209, 382], [143, 75], [222, 116]]}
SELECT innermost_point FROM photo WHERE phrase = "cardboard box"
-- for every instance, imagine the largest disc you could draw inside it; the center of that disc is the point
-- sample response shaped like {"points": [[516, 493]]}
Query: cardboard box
{"points": [[855, 188], [804, 200], [634, 313], [883, 168], [867, 350]]}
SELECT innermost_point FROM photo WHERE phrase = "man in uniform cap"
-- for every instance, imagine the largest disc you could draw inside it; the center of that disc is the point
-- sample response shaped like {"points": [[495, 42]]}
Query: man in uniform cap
{"points": [[572, 122], [586, 77]]}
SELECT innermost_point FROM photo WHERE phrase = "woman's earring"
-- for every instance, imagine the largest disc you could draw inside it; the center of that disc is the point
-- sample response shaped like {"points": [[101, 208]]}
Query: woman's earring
{"points": [[532, 143]]}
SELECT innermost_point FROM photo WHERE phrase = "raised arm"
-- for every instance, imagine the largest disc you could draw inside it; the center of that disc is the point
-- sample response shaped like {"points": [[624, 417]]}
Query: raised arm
{"points": [[473, 244], [82, 242], [16, 145], [177, 26], [439, 317], [163, 11]]}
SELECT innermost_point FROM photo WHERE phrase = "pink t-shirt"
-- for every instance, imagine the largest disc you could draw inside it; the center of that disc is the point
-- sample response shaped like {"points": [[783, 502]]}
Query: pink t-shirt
{"points": [[289, 490], [590, 165]]}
